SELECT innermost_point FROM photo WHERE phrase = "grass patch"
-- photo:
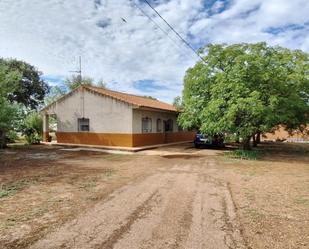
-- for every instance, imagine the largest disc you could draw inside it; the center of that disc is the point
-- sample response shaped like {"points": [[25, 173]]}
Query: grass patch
{"points": [[244, 154], [4, 193], [88, 185], [302, 201], [108, 173], [24, 217], [13, 188], [253, 213]]}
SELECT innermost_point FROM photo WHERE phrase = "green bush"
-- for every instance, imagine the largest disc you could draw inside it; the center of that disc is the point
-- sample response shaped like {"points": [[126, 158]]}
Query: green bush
{"points": [[33, 128], [11, 136], [33, 138]]}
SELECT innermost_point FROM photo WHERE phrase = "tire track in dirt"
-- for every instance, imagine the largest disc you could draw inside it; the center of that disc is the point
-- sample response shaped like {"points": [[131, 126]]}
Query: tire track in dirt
{"points": [[138, 213], [180, 207], [167, 225], [214, 220], [98, 224]]}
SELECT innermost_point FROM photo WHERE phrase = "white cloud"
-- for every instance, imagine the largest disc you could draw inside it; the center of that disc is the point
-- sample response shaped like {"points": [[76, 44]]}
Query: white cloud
{"points": [[51, 34]]}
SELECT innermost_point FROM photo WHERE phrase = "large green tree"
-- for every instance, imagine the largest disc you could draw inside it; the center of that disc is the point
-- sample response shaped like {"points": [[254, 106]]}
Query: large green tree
{"points": [[246, 89], [23, 83], [21, 89], [8, 117]]}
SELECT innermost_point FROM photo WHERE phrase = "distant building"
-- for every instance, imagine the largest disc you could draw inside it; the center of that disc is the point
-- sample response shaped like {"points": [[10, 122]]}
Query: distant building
{"points": [[280, 134], [98, 116]]}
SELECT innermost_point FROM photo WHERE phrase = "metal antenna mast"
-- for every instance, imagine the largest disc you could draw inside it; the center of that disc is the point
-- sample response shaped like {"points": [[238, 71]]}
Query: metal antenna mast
{"points": [[80, 83], [79, 71]]}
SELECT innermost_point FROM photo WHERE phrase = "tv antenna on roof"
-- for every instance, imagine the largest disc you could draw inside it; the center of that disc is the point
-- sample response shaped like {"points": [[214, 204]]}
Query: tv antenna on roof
{"points": [[80, 83], [79, 71]]}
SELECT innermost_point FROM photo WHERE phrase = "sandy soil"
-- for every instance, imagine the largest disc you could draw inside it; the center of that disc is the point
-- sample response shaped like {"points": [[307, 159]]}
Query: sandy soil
{"points": [[175, 197], [178, 207]]}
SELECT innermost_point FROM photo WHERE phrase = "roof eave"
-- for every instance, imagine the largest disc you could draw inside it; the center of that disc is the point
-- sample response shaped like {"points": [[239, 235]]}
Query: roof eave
{"points": [[155, 109]]}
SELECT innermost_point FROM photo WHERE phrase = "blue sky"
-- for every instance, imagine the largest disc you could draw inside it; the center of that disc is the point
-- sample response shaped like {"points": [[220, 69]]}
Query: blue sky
{"points": [[135, 56]]}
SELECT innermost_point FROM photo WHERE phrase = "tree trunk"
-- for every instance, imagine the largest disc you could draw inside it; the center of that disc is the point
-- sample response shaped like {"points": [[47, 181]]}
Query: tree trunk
{"points": [[2, 140], [254, 141], [246, 143], [258, 138], [237, 138]]}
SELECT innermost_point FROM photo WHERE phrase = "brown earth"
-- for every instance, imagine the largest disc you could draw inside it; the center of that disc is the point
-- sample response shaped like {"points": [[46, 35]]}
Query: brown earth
{"points": [[173, 197]]}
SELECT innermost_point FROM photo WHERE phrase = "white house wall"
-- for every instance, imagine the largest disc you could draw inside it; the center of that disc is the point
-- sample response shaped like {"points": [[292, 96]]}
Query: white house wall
{"points": [[154, 115], [106, 115]]}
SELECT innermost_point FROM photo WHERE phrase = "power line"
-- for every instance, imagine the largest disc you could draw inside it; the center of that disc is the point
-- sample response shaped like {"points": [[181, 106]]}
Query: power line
{"points": [[180, 37], [157, 25]]}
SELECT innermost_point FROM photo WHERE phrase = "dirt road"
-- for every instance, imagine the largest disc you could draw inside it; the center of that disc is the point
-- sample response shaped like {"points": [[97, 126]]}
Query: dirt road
{"points": [[173, 197], [176, 207]]}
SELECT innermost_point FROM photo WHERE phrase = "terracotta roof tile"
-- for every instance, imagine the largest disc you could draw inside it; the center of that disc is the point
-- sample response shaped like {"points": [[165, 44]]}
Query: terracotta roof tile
{"points": [[133, 99]]}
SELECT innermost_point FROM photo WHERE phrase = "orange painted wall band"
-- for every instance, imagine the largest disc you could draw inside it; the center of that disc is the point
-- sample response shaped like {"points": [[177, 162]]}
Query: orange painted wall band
{"points": [[124, 140], [145, 139], [108, 139]]}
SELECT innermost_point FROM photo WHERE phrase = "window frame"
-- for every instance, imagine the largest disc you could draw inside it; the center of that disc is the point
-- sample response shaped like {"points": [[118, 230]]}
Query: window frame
{"points": [[148, 129], [80, 124], [159, 125]]}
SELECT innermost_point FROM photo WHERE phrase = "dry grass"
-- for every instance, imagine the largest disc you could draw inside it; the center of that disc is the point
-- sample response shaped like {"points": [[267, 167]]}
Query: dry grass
{"points": [[271, 195], [43, 187]]}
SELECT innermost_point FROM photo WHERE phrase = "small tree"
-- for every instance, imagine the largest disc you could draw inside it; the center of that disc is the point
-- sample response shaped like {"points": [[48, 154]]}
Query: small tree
{"points": [[177, 103], [75, 81], [33, 129], [101, 83]]}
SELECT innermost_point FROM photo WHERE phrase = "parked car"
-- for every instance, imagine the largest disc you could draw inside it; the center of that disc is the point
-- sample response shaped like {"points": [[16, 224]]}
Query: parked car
{"points": [[208, 140]]}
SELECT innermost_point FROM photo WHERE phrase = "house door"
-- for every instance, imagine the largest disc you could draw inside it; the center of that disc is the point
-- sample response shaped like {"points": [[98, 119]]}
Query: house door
{"points": [[168, 128]]}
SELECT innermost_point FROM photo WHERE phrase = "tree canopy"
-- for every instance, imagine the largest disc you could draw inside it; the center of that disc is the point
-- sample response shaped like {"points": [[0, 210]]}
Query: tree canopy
{"points": [[54, 94], [21, 89], [8, 116], [75, 81], [246, 89], [22, 83]]}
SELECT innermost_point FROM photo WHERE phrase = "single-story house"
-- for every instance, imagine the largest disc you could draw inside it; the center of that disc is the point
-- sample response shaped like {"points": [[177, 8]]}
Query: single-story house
{"points": [[98, 116]]}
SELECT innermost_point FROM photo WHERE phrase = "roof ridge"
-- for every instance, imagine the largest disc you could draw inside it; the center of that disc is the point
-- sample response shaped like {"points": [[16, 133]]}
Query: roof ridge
{"points": [[137, 100], [104, 89], [130, 94]]}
